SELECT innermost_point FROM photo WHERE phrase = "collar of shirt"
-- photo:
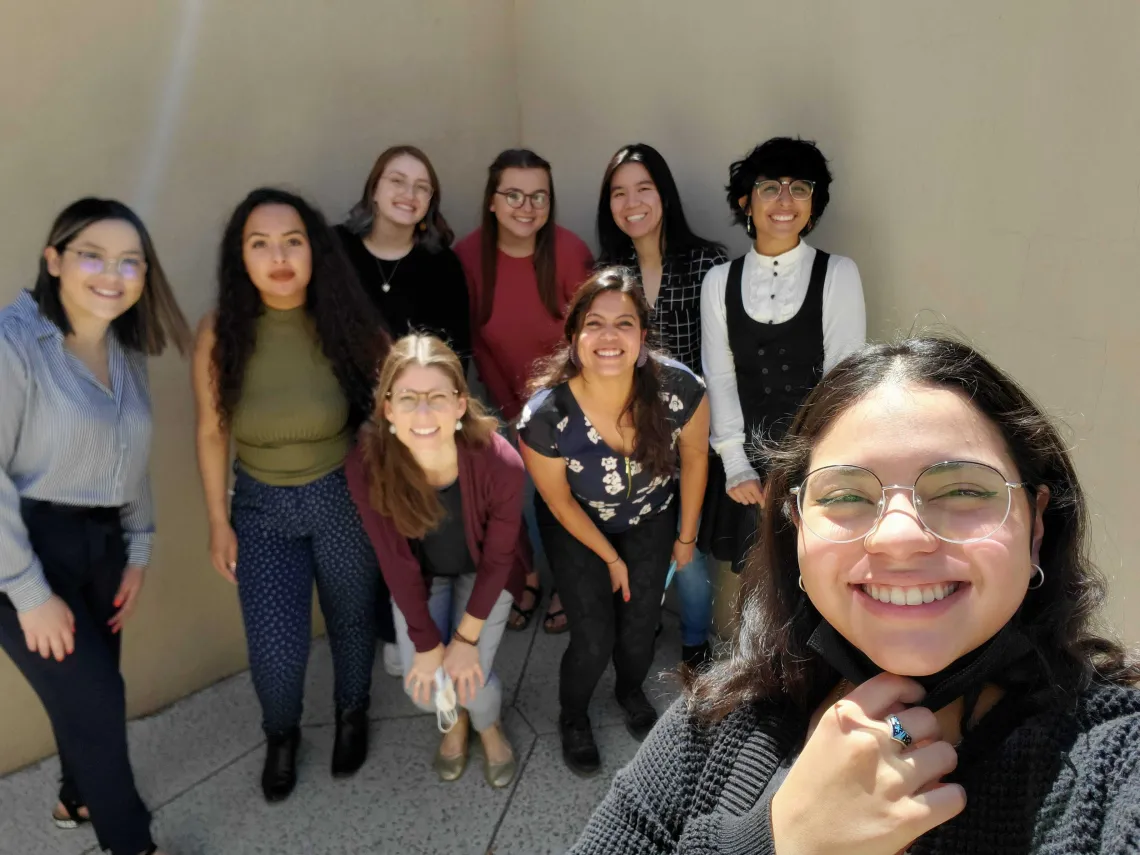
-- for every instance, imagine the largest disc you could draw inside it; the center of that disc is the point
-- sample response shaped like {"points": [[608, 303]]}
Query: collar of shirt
{"points": [[787, 261], [41, 326]]}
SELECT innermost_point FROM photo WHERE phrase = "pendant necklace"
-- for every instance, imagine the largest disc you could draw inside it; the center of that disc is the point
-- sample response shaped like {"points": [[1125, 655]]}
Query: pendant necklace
{"points": [[386, 281]]}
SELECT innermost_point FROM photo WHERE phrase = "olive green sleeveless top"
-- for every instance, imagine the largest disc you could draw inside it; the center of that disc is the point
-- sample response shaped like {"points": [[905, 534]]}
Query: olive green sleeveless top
{"points": [[291, 423]]}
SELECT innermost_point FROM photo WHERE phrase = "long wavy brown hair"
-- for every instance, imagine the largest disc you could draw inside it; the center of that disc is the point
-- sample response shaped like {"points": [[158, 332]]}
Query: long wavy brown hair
{"points": [[771, 660], [399, 488], [653, 445]]}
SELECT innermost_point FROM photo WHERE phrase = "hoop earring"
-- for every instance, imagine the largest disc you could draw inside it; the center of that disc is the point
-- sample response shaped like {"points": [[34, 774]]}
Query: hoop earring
{"points": [[642, 357], [391, 428], [1040, 576], [802, 588], [459, 425]]}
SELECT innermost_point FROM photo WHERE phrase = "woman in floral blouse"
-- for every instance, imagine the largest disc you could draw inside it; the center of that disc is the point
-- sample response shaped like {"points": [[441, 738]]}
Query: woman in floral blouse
{"points": [[604, 440]]}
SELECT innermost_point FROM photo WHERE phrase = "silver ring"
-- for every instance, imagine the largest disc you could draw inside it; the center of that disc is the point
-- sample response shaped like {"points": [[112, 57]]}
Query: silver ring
{"points": [[898, 732]]}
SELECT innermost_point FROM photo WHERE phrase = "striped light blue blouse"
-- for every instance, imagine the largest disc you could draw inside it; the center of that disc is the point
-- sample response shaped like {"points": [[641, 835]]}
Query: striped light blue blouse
{"points": [[66, 438]]}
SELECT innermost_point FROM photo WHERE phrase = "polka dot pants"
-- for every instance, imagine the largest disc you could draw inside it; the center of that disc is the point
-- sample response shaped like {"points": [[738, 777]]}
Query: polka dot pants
{"points": [[287, 536]]}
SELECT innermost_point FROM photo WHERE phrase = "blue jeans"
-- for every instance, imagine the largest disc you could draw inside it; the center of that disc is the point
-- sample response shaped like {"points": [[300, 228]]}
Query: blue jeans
{"points": [[287, 537], [447, 602], [694, 593]]}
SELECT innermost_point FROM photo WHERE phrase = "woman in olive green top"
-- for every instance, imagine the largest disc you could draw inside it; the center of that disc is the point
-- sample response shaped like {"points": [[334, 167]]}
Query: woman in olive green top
{"points": [[284, 367]]}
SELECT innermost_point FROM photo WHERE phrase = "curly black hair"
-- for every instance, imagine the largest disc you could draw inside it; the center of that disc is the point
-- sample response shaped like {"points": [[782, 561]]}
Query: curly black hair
{"points": [[778, 158], [346, 322]]}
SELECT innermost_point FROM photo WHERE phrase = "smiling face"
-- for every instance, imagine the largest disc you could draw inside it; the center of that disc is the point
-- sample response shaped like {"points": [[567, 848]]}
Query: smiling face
{"points": [[780, 220], [634, 201], [277, 255], [424, 407], [611, 336], [960, 594], [101, 271], [525, 221], [403, 191]]}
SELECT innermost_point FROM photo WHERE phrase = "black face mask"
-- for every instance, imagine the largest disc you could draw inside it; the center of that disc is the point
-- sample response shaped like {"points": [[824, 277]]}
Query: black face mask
{"points": [[964, 676]]}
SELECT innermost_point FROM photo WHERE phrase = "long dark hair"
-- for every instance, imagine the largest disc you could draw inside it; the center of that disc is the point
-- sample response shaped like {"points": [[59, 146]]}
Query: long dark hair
{"points": [[398, 486], [433, 232], [544, 258], [349, 331], [774, 159], [147, 326], [676, 236], [653, 447], [771, 659]]}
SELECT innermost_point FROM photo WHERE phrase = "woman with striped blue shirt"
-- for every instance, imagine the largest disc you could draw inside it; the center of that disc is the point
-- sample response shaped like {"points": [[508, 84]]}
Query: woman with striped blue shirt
{"points": [[76, 519]]}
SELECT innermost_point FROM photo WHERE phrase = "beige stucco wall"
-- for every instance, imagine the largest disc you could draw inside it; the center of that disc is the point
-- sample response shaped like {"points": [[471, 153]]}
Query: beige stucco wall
{"points": [[987, 157], [987, 165], [180, 107]]}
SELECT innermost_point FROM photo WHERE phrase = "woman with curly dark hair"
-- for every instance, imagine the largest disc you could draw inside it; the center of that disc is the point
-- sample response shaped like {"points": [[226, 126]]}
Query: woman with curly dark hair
{"points": [[285, 366], [918, 667], [605, 439]]}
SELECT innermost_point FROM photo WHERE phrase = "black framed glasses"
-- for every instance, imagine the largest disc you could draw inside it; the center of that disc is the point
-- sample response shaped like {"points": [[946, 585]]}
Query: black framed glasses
{"points": [[958, 501], [539, 199], [769, 190], [95, 264], [408, 400]]}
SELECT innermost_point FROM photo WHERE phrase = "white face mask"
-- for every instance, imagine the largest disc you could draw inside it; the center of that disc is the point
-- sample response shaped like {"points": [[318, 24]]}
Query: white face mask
{"points": [[446, 704]]}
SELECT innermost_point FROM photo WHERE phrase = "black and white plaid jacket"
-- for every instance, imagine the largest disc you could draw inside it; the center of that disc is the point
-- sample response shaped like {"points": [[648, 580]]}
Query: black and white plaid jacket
{"points": [[675, 319]]}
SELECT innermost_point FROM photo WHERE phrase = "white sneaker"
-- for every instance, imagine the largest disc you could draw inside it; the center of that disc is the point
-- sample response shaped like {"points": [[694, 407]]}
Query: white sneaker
{"points": [[393, 667]]}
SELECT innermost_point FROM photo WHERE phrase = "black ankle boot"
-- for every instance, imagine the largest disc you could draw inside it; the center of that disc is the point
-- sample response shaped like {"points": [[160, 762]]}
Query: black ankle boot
{"points": [[640, 715], [579, 751], [696, 656], [351, 744], [280, 773]]}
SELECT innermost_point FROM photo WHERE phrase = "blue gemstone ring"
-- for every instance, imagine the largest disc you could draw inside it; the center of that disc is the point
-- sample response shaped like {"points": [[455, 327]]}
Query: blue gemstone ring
{"points": [[898, 732]]}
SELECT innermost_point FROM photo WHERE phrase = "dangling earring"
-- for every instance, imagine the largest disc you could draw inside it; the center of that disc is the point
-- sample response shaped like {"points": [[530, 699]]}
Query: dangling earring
{"points": [[1040, 575], [802, 588], [642, 357], [391, 428], [423, 225], [459, 425], [748, 228]]}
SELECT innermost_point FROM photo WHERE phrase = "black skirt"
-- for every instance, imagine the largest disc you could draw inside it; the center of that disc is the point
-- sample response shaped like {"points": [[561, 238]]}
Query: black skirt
{"points": [[728, 528]]}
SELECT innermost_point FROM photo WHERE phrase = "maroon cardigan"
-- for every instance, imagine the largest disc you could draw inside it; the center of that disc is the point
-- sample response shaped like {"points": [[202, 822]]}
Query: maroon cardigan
{"points": [[491, 482]]}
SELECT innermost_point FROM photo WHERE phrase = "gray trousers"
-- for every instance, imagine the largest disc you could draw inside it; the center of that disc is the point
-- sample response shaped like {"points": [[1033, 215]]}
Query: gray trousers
{"points": [[447, 602]]}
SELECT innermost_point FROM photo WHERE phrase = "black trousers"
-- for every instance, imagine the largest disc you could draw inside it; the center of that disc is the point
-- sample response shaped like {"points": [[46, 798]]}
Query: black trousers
{"points": [[83, 553], [602, 626]]}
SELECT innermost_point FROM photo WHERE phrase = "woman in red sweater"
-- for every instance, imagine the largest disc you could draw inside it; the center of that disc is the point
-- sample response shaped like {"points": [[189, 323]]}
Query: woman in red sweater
{"points": [[522, 272], [440, 494]]}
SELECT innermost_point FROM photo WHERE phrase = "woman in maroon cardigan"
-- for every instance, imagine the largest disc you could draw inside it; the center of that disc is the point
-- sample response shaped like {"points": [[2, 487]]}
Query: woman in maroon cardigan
{"points": [[440, 494]]}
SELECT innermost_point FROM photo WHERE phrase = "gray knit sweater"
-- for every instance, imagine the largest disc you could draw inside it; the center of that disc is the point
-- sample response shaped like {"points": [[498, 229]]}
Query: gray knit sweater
{"points": [[1046, 782]]}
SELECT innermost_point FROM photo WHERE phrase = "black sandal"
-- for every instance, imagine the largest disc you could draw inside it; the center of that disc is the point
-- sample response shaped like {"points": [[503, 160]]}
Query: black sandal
{"points": [[554, 616], [526, 614], [73, 819]]}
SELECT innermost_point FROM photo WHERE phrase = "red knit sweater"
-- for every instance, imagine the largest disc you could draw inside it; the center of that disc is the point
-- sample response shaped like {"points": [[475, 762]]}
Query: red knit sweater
{"points": [[520, 330]]}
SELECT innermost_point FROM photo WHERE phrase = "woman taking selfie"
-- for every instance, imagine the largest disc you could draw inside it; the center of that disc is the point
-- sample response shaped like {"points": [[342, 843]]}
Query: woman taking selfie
{"points": [[918, 667], [76, 515], [284, 366], [440, 493], [604, 440]]}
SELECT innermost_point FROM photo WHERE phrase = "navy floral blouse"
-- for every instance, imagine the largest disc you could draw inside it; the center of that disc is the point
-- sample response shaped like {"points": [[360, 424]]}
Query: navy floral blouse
{"points": [[613, 489]]}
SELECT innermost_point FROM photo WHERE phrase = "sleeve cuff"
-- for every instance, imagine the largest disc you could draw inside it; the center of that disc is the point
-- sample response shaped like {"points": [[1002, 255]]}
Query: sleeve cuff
{"points": [[737, 467], [139, 547], [31, 591]]}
